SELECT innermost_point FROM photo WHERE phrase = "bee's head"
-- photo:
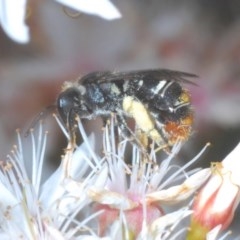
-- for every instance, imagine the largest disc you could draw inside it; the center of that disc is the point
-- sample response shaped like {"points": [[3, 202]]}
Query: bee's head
{"points": [[70, 103]]}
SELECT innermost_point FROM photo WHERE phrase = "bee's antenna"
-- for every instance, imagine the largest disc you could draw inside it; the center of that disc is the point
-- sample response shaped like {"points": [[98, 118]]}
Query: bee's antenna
{"points": [[38, 117]]}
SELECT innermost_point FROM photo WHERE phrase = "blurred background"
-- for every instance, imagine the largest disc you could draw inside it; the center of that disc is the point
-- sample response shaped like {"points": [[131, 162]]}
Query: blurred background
{"points": [[196, 36]]}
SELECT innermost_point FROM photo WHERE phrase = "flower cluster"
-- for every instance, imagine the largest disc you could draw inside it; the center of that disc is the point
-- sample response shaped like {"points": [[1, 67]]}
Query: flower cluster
{"points": [[96, 196]]}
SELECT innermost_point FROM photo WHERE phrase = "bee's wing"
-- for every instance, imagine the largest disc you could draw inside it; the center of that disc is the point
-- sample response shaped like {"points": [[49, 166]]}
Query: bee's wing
{"points": [[145, 75], [96, 77], [168, 75]]}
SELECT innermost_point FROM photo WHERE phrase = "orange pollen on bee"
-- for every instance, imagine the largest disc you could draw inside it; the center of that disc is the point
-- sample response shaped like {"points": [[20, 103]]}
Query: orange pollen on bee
{"points": [[179, 130]]}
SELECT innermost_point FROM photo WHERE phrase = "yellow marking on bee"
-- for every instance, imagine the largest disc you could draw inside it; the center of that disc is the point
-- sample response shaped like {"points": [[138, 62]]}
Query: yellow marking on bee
{"points": [[137, 110], [185, 97]]}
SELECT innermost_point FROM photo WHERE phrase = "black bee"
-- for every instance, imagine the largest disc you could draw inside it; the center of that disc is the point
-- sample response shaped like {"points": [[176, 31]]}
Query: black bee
{"points": [[155, 99]]}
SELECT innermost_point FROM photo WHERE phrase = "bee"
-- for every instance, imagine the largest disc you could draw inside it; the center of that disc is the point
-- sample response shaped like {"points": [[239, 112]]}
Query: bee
{"points": [[155, 99]]}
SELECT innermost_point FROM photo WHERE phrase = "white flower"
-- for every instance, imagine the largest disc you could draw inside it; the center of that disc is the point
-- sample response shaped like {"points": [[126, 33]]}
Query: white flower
{"points": [[93, 197], [30, 209], [101, 8], [134, 194], [12, 19], [13, 14]]}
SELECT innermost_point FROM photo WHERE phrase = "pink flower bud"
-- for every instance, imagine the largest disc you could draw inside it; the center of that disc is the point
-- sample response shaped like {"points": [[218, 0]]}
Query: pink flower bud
{"points": [[216, 202]]}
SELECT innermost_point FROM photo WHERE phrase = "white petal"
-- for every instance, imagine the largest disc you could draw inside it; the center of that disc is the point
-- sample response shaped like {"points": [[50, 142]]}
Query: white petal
{"points": [[180, 192], [52, 189], [12, 18], [232, 164], [102, 8], [79, 165], [12, 217], [159, 226], [212, 235], [75, 188], [54, 233], [93, 238], [114, 199], [6, 197]]}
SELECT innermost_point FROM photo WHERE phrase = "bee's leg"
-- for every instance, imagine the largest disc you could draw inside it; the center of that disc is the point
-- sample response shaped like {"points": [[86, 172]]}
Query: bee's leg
{"points": [[164, 144], [129, 134], [126, 132], [71, 128]]}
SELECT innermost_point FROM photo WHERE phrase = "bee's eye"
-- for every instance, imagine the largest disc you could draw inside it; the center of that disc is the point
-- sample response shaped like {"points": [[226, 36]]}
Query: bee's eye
{"points": [[67, 102]]}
